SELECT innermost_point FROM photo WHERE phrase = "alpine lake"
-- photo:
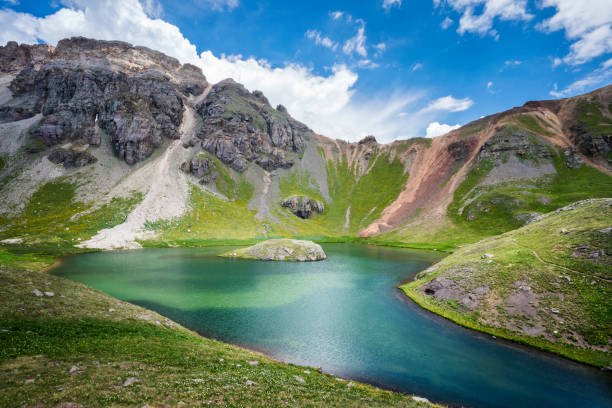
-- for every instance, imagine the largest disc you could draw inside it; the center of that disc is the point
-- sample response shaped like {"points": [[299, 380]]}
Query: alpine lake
{"points": [[346, 315]]}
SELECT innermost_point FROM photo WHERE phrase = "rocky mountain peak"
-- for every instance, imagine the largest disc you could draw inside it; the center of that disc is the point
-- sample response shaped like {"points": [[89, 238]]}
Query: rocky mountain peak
{"points": [[241, 127]]}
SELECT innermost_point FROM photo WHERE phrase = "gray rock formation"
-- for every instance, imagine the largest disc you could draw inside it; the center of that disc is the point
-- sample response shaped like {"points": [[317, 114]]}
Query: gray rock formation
{"points": [[71, 158], [303, 206], [572, 159], [280, 250], [515, 141], [13, 57], [201, 168], [241, 127], [590, 143], [134, 94]]}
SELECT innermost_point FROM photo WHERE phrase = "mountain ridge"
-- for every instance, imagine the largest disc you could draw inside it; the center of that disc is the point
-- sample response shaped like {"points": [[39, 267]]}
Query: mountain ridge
{"points": [[86, 93]]}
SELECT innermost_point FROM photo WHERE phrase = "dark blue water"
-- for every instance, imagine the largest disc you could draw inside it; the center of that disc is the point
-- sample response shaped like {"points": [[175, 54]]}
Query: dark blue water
{"points": [[346, 315]]}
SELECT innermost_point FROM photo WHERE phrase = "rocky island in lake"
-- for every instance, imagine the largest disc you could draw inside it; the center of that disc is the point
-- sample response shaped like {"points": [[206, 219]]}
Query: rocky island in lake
{"points": [[280, 250]]}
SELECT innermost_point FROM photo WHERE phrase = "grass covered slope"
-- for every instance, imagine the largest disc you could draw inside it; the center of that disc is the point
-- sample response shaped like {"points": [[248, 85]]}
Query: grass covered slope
{"points": [[516, 176], [74, 344], [547, 284]]}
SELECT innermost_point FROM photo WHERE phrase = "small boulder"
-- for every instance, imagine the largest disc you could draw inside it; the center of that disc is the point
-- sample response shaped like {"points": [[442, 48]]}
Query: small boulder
{"points": [[130, 381], [71, 158], [302, 206]]}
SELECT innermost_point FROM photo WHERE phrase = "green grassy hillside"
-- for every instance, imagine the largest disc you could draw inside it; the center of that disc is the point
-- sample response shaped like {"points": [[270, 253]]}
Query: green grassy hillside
{"points": [[480, 210], [546, 284]]}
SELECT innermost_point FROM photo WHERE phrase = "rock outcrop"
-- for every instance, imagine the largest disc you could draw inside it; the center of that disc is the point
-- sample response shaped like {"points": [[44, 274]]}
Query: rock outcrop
{"points": [[201, 167], [512, 140], [241, 127], [132, 93], [280, 250], [71, 158], [302, 206]]}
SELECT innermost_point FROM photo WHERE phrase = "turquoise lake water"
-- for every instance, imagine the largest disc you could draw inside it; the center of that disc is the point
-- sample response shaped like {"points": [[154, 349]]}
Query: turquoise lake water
{"points": [[346, 315]]}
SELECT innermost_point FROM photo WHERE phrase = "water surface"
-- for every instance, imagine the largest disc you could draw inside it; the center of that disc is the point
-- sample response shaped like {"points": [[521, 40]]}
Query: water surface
{"points": [[346, 315]]}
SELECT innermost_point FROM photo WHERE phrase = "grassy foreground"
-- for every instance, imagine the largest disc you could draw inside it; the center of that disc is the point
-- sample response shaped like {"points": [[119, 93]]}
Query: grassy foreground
{"points": [[81, 346], [547, 284]]}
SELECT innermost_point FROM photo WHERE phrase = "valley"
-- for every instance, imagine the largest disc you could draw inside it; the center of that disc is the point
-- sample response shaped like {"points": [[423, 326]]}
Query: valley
{"points": [[109, 146]]}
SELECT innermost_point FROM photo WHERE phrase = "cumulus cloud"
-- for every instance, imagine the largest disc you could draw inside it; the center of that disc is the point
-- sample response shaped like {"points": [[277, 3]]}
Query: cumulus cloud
{"points": [[438, 129], [329, 103], [153, 8], [387, 4], [449, 103], [320, 39]]}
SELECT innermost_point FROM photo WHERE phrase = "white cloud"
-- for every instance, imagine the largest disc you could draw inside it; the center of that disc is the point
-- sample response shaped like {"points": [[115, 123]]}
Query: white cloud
{"points": [[368, 64], [328, 103], [320, 39], [380, 49], [222, 5], [512, 62], [416, 66], [482, 24], [12, 2], [448, 103], [336, 15], [153, 8], [357, 44], [601, 76], [438, 129], [387, 4], [446, 23], [588, 23], [490, 86]]}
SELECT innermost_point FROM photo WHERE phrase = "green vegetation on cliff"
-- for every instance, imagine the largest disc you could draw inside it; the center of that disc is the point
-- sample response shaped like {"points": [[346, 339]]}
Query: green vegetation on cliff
{"points": [[367, 195]]}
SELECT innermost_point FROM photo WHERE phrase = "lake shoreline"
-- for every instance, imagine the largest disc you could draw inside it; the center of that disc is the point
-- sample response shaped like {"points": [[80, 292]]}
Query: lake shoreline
{"points": [[541, 346]]}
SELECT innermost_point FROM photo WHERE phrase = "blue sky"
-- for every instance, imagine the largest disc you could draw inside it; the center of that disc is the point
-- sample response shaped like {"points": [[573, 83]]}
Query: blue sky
{"points": [[396, 69]]}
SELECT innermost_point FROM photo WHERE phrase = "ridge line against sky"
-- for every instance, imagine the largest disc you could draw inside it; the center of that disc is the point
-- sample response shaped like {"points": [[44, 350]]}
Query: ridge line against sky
{"points": [[395, 69]]}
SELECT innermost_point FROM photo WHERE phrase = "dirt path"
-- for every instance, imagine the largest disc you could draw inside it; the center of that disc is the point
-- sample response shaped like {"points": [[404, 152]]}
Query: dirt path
{"points": [[562, 267], [167, 190]]}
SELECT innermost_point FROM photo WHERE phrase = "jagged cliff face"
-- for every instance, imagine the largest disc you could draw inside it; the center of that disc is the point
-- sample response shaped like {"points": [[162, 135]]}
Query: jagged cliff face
{"points": [[241, 127], [219, 161], [134, 95]]}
